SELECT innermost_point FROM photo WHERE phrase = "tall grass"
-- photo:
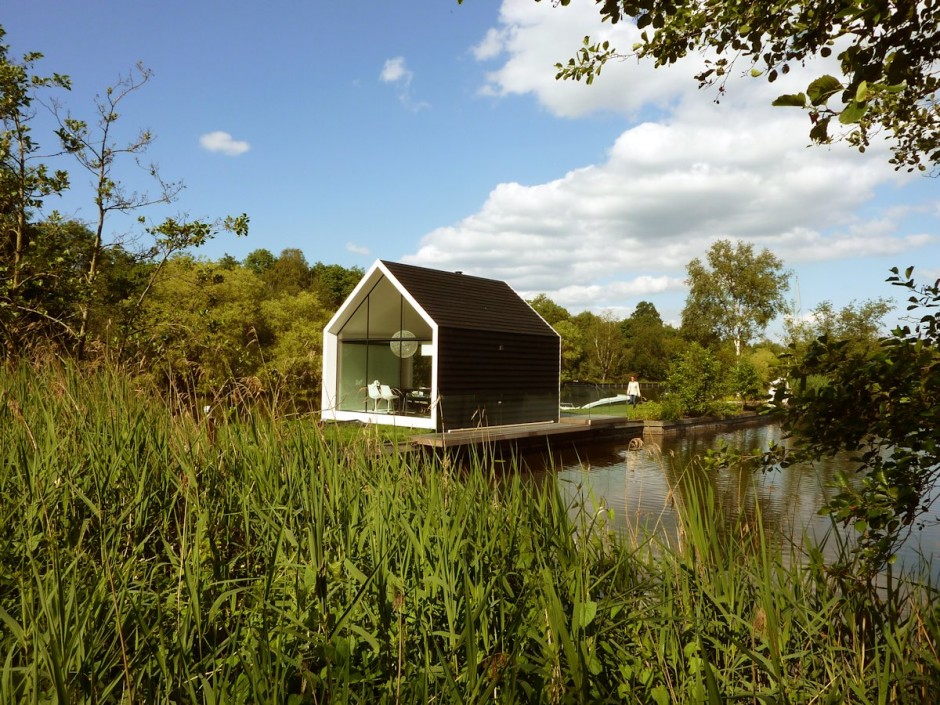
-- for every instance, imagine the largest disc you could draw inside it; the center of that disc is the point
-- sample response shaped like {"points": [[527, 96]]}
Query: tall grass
{"points": [[146, 557]]}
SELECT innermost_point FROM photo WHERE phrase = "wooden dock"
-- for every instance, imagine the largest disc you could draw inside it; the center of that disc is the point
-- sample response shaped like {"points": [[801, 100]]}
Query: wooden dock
{"points": [[572, 429], [597, 427]]}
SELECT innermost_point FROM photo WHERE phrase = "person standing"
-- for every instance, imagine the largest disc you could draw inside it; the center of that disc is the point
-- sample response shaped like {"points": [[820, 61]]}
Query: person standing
{"points": [[633, 392]]}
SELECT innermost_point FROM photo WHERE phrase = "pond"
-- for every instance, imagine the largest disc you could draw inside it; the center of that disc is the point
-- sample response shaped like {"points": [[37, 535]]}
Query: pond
{"points": [[639, 486]]}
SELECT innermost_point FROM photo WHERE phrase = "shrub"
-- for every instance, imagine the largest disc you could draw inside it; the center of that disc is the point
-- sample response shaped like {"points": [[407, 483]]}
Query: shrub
{"points": [[744, 380], [694, 380]]}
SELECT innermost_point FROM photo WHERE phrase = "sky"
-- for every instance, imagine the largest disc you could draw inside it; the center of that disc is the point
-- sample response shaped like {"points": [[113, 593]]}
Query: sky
{"points": [[436, 134]]}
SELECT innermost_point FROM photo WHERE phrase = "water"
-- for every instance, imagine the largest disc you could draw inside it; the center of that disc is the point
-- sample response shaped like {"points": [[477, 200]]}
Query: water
{"points": [[639, 487]]}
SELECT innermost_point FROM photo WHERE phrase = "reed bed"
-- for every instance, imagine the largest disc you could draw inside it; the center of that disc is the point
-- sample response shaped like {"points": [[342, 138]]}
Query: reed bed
{"points": [[148, 557]]}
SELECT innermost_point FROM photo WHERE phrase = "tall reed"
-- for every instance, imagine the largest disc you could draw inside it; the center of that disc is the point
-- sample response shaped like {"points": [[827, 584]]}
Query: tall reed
{"points": [[150, 557]]}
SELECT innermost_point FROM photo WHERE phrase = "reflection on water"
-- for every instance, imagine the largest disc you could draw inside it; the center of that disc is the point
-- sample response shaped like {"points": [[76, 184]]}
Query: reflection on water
{"points": [[640, 486]]}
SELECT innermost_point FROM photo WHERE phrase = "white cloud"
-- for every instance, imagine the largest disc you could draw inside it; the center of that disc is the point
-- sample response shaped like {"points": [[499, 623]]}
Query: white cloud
{"points": [[608, 235], [223, 143], [623, 230], [492, 45], [535, 36], [396, 72], [357, 249]]}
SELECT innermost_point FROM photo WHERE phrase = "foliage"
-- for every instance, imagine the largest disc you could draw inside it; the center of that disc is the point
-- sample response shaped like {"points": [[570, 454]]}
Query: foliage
{"points": [[694, 382], [861, 324], [333, 282], [886, 50], [289, 274], [735, 295], [603, 345], [671, 408], [572, 349], [766, 363], [603, 349], [96, 151], [52, 293], [219, 332], [203, 323], [884, 406], [259, 261], [294, 360], [24, 184], [147, 556], [745, 381], [549, 310], [651, 344]]}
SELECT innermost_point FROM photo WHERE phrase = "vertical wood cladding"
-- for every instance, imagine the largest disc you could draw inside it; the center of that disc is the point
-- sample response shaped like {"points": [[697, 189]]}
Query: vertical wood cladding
{"points": [[488, 378]]}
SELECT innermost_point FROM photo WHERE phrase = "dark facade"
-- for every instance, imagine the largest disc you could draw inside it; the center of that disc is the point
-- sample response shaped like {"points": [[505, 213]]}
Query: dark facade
{"points": [[498, 361]]}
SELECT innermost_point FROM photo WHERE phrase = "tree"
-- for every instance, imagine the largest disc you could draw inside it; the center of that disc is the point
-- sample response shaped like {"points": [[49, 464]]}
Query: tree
{"points": [[294, 357], [572, 349], [51, 269], [259, 261], [603, 345], [694, 381], [96, 151], [650, 343], [744, 380], [333, 283], [883, 405], [289, 273], [549, 310], [888, 57], [860, 323], [24, 184], [202, 323], [736, 294]]}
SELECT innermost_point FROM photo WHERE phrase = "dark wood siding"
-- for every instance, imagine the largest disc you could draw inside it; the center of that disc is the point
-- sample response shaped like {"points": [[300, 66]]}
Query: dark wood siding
{"points": [[488, 378]]}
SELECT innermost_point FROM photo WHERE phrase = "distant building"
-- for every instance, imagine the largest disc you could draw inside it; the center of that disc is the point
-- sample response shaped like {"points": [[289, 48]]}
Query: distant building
{"points": [[424, 348]]}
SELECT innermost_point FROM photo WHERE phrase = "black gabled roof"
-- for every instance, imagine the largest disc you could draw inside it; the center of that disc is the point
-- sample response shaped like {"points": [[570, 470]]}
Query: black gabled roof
{"points": [[463, 301]]}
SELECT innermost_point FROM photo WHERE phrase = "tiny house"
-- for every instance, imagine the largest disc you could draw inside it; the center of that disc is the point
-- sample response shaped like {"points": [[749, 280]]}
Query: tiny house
{"points": [[425, 348]]}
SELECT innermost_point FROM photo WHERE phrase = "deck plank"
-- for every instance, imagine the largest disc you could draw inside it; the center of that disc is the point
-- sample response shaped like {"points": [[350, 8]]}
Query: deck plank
{"points": [[502, 434]]}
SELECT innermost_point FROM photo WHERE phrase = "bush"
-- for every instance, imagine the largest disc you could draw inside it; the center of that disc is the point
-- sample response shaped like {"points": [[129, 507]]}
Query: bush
{"points": [[744, 380], [722, 409], [672, 408], [695, 380]]}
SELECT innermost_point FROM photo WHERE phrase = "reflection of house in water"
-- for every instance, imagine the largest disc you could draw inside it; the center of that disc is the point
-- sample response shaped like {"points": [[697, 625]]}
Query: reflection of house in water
{"points": [[439, 350]]}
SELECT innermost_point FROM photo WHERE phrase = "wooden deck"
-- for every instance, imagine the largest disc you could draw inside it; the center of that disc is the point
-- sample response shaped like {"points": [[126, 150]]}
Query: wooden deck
{"points": [[532, 433], [571, 429]]}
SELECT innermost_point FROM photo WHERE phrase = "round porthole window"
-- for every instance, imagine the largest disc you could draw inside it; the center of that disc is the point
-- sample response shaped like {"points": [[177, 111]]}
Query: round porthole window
{"points": [[403, 343]]}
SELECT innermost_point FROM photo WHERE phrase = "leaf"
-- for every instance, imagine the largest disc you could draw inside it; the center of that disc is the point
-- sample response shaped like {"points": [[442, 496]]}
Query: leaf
{"points": [[660, 695], [820, 131], [794, 100], [861, 93], [821, 89], [587, 614], [853, 112]]}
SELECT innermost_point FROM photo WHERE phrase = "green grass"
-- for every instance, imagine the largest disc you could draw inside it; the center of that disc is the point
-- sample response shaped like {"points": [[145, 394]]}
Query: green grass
{"points": [[147, 557]]}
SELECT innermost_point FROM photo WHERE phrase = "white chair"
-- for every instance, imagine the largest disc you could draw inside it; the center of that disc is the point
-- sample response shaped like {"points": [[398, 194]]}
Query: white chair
{"points": [[375, 394], [389, 396]]}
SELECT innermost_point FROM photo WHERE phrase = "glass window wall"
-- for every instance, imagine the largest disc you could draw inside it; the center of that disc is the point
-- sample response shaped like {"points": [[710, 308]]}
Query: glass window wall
{"points": [[385, 343]]}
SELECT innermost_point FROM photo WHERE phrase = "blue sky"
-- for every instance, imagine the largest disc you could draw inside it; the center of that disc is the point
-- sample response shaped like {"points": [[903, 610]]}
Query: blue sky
{"points": [[436, 134]]}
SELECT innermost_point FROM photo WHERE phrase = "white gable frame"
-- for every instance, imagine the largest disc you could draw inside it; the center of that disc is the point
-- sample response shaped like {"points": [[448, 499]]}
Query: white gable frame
{"points": [[331, 350]]}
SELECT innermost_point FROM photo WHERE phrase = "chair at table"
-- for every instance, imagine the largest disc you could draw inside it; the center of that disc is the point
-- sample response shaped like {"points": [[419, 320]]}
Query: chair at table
{"points": [[389, 396], [375, 394]]}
